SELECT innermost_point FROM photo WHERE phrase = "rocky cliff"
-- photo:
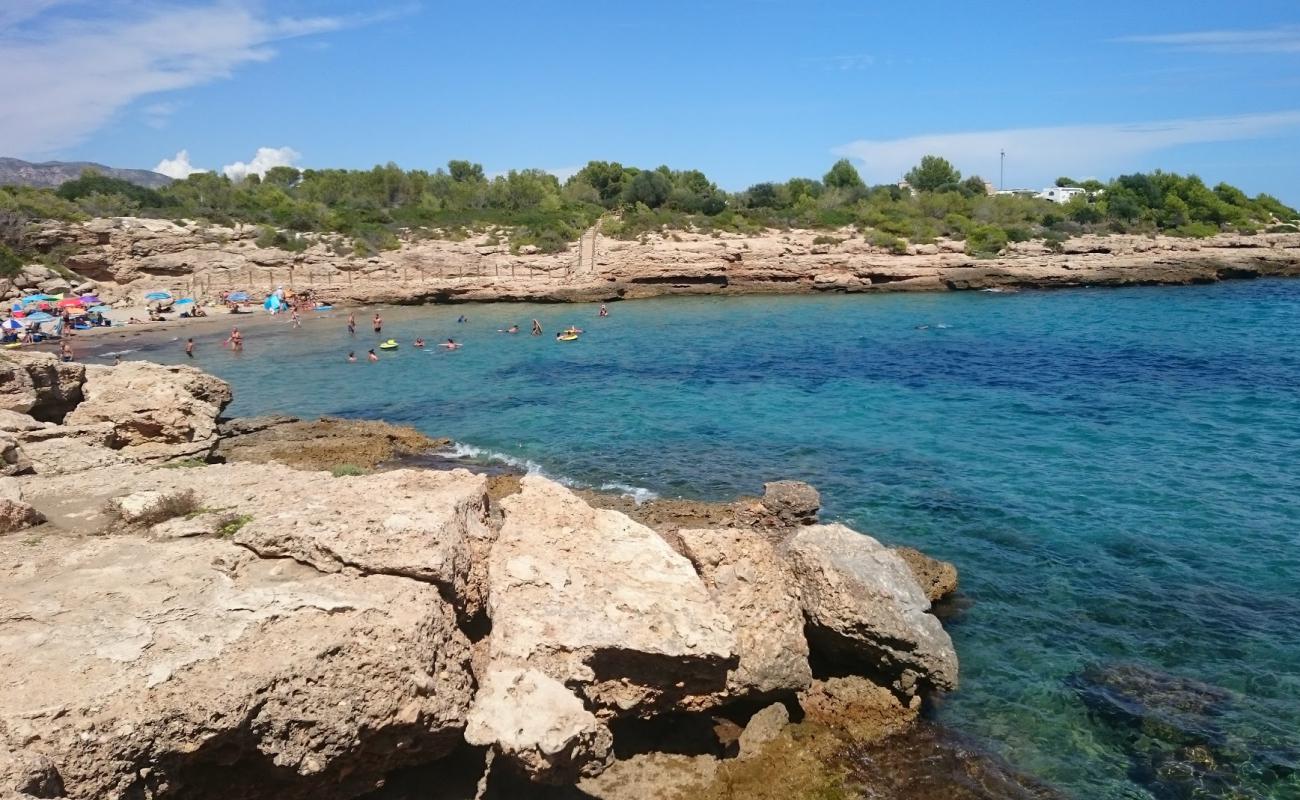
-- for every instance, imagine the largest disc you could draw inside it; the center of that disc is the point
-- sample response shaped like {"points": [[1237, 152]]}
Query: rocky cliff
{"points": [[127, 257], [173, 627]]}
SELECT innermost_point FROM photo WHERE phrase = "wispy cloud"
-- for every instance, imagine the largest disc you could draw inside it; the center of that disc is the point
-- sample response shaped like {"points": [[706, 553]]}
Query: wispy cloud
{"points": [[67, 77], [1044, 153], [1279, 39]]}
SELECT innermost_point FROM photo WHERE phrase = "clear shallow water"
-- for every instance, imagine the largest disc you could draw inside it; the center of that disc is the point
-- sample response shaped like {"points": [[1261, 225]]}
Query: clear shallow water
{"points": [[1114, 471]]}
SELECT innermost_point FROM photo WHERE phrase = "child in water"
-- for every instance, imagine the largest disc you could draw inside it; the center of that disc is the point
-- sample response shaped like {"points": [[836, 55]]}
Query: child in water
{"points": [[419, 342], [352, 358], [372, 356]]}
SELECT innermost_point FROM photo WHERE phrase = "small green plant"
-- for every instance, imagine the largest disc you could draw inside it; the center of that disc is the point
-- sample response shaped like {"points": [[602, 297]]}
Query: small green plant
{"points": [[824, 239], [347, 471], [184, 463], [232, 524], [169, 506]]}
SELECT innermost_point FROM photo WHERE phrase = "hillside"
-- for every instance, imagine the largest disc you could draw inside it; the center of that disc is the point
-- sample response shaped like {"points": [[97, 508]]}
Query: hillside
{"points": [[51, 174]]}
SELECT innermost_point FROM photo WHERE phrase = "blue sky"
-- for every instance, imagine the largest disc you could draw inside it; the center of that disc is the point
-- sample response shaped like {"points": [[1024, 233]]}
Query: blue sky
{"points": [[746, 90]]}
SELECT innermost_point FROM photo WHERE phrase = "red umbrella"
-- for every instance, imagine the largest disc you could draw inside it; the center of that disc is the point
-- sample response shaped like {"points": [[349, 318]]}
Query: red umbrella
{"points": [[69, 302]]}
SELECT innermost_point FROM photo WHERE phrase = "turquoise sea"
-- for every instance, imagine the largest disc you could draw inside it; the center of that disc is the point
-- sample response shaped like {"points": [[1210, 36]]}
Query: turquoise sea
{"points": [[1116, 473]]}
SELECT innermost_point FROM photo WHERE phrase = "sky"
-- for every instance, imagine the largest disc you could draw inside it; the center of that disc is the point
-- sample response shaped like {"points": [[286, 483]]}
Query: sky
{"points": [[745, 90]]}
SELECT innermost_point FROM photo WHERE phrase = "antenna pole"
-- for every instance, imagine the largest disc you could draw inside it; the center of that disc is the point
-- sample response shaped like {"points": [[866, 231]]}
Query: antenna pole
{"points": [[1002, 172]]}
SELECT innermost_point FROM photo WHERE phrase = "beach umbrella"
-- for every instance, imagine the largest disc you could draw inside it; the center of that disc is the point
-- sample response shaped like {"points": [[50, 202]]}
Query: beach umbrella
{"points": [[90, 300], [70, 302], [238, 297], [184, 301], [12, 325], [37, 298], [101, 309], [38, 316], [76, 312], [158, 296]]}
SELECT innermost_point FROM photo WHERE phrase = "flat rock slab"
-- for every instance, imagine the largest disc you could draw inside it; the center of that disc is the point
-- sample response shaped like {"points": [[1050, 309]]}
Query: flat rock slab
{"points": [[600, 602], [135, 667], [865, 607]]}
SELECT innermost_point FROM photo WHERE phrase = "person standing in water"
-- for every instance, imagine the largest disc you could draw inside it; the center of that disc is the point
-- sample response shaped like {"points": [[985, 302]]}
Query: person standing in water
{"points": [[352, 324], [604, 312], [378, 323], [65, 350], [537, 328], [230, 341], [294, 318], [189, 348]]}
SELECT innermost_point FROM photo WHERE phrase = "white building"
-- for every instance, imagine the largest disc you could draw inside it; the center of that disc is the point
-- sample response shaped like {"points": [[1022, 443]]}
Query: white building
{"points": [[1060, 194]]}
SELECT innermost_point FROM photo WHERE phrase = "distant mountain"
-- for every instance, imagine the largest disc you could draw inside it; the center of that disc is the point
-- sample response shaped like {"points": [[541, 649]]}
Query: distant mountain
{"points": [[15, 171]]}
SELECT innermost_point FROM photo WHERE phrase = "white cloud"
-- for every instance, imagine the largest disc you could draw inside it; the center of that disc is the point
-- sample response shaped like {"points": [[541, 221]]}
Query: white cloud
{"points": [[67, 77], [179, 167], [1281, 39], [263, 160], [1040, 154]]}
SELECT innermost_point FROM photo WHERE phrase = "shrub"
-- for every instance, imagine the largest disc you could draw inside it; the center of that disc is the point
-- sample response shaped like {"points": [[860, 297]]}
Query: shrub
{"points": [[169, 506], [10, 263], [891, 243], [347, 470], [823, 239], [1196, 230], [231, 524], [985, 241]]}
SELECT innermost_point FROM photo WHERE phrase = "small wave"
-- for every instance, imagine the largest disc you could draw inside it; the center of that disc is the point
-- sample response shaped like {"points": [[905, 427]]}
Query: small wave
{"points": [[460, 450], [116, 353]]}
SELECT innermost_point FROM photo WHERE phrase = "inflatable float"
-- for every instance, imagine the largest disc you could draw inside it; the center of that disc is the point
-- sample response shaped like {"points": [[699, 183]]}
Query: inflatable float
{"points": [[391, 344]]}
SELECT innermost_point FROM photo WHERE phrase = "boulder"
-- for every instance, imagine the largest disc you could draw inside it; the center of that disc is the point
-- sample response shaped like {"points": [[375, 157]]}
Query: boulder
{"points": [[756, 590], [41, 385], [864, 608], [541, 726], [15, 515], [158, 412], [11, 489], [191, 668], [762, 728], [603, 605], [937, 578], [13, 421], [792, 502], [13, 459]]}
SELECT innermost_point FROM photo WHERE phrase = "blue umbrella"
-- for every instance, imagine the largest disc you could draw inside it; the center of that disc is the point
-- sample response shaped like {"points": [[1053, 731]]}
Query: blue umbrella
{"points": [[100, 309], [158, 296], [11, 325], [238, 297], [38, 316], [184, 301], [38, 298]]}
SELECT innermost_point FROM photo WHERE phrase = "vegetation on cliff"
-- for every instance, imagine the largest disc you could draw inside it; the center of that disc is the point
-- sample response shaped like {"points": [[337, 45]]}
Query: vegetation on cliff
{"points": [[534, 208]]}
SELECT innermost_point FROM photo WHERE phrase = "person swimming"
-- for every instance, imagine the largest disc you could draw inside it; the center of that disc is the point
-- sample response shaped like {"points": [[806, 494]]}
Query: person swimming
{"points": [[511, 329], [419, 342], [451, 344], [371, 356], [352, 358]]}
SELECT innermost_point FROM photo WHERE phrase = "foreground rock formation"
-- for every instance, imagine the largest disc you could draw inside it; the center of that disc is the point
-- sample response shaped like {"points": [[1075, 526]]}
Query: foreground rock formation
{"points": [[127, 257], [188, 629]]}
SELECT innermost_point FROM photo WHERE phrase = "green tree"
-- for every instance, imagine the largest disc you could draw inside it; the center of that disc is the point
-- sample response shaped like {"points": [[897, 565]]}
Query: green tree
{"points": [[465, 171], [10, 263], [932, 174], [650, 188], [843, 175], [283, 177]]}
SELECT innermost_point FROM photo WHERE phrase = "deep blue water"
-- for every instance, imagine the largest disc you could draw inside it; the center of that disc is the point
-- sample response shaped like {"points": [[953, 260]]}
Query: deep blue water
{"points": [[1114, 471]]}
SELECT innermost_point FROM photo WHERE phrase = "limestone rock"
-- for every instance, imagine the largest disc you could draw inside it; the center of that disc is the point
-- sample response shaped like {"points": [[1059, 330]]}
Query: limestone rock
{"points": [[866, 711], [143, 668], [603, 604], [864, 607], [11, 489], [158, 413], [539, 724], [13, 459], [792, 502], [762, 728], [937, 578], [14, 421], [40, 384], [756, 590], [142, 506], [15, 515]]}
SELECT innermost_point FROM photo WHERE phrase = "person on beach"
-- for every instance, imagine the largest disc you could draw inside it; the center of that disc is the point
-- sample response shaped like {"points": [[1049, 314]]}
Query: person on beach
{"points": [[352, 324], [419, 342], [371, 356], [352, 358], [189, 348], [537, 328], [604, 312], [378, 323]]}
